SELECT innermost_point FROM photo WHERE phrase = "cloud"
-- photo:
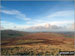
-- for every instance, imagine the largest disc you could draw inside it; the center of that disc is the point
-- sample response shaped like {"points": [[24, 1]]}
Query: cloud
{"points": [[54, 25], [37, 23], [61, 22], [43, 22], [1, 28], [59, 18], [13, 26], [11, 12], [71, 26], [16, 13], [61, 14], [48, 28], [37, 27]]}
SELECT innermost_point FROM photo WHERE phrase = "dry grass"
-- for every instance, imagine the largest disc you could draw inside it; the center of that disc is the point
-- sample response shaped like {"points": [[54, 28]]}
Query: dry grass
{"points": [[35, 49]]}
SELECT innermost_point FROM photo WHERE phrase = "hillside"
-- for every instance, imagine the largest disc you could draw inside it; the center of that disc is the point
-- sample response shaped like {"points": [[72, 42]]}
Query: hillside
{"points": [[10, 37], [8, 34], [25, 43]]}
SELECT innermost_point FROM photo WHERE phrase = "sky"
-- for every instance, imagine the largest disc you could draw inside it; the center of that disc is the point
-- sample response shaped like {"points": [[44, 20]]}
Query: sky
{"points": [[25, 14]]}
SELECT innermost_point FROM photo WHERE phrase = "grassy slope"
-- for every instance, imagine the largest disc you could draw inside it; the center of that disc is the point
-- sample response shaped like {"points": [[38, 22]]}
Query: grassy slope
{"points": [[6, 34], [23, 42], [10, 37]]}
